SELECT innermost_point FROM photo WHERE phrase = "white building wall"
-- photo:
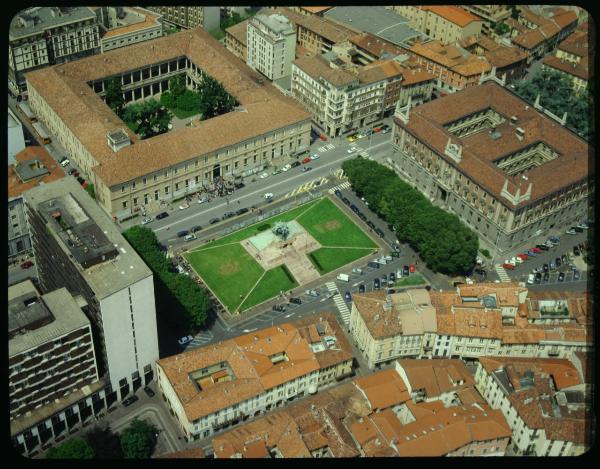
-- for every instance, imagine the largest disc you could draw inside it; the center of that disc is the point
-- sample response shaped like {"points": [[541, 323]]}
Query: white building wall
{"points": [[212, 18], [16, 139]]}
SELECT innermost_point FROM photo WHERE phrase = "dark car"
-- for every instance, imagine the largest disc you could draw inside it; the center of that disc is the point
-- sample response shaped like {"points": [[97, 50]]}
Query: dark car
{"points": [[214, 220], [182, 233], [561, 277], [370, 224], [546, 276], [295, 164], [354, 208], [278, 308], [576, 275], [392, 277], [538, 277], [130, 400], [543, 247], [576, 251], [373, 264], [558, 262], [196, 228], [379, 232], [80, 180], [361, 288], [149, 391], [241, 211], [345, 200], [239, 185], [26, 265], [546, 268], [296, 301], [347, 296], [162, 215], [376, 284], [228, 215], [362, 216], [405, 271], [306, 168], [338, 193]]}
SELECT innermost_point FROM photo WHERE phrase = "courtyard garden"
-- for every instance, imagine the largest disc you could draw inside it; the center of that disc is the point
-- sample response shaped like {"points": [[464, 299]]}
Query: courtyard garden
{"points": [[235, 274]]}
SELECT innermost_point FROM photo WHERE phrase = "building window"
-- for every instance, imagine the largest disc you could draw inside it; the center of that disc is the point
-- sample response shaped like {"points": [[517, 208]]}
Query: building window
{"points": [[124, 204]]}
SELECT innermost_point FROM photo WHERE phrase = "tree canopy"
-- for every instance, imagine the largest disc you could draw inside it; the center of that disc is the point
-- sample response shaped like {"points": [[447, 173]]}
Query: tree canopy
{"points": [[442, 240], [234, 19], [105, 443], [138, 440], [76, 448], [214, 99], [114, 96], [558, 96], [149, 118], [178, 297]]}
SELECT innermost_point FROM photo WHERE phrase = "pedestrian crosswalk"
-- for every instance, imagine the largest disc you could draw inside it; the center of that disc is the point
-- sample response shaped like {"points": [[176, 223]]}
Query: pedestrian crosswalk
{"points": [[339, 173], [201, 339], [343, 185], [324, 148], [502, 273], [306, 187], [339, 302]]}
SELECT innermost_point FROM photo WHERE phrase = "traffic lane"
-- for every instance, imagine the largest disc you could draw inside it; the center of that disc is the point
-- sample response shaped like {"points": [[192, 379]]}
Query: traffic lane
{"points": [[578, 286]]}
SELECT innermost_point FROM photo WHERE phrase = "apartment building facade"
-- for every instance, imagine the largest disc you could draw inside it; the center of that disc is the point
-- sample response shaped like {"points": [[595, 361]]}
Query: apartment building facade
{"points": [[15, 137], [445, 23], [542, 401], [236, 39], [511, 184], [190, 17], [271, 45], [42, 36], [214, 387], [490, 14], [77, 246], [123, 169]]}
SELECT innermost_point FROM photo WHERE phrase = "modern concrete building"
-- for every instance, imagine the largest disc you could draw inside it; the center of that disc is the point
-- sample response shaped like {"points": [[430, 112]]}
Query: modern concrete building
{"points": [[271, 45], [51, 355], [16, 139], [33, 166], [42, 36], [190, 17], [574, 59], [508, 170], [77, 246], [544, 402], [123, 26], [445, 23], [125, 170], [214, 387]]}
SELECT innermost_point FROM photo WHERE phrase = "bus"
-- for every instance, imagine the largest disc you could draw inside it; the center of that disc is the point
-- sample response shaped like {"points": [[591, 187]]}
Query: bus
{"points": [[40, 129], [25, 109]]}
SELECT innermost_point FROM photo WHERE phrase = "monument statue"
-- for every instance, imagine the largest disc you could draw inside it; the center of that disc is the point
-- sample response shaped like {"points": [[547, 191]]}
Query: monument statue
{"points": [[281, 230]]}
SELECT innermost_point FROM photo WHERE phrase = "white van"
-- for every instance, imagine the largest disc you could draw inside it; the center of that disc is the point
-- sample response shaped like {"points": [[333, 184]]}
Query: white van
{"points": [[343, 277]]}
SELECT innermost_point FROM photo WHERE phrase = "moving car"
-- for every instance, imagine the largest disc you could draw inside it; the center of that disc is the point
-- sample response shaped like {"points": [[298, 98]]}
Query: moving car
{"points": [[214, 220], [147, 220], [195, 229], [182, 233], [312, 293], [268, 195], [296, 301], [149, 391], [508, 266], [352, 138], [184, 205], [357, 270], [306, 168], [352, 150], [190, 237], [26, 265], [130, 400], [279, 308], [185, 340], [162, 215]]}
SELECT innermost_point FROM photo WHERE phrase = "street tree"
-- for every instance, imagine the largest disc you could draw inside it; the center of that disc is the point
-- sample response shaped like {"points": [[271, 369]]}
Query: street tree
{"points": [[76, 448], [138, 440], [104, 443]]}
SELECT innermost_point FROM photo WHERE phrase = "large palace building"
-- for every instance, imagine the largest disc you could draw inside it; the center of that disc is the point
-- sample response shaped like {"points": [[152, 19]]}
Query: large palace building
{"points": [[128, 172], [506, 169]]}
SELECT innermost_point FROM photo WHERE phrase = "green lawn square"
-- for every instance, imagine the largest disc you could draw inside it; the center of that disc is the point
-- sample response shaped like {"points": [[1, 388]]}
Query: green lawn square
{"points": [[274, 281]]}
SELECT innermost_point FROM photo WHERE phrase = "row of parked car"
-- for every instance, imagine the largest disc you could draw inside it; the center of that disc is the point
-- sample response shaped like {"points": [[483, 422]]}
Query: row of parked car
{"points": [[360, 215], [383, 128], [584, 225], [551, 242], [542, 274]]}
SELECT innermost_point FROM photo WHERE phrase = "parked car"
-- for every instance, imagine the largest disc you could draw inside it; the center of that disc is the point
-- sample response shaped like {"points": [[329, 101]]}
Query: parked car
{"points": [[552, 265], [558, 262], [522, 256], [379, 232], [561, 277], [392, 277], [275, 172], [357, 270], [182, 233], [536, 270], [354, 208], [306, 168], [190, 237], [536, 250], [312, 293], [201, 200], [362, 216], [80, 180], [279, 308], [508, 266], [373, 264], [546, 267], [376, 284], [370, 224], [185, 340], [75, 173], [306, 160], [361, 288], [546, 276], [576, 251], [195, 229], [538, 277], [314, 156], [64, 162], [268, 195], [577, 229], [26, 265], [130, 400], [576, 274], [347, 296], [346, 200], [214, 220], [147, 220], [530, 279], [542, 247], [264, 175], [530, 253], [412, 268], [386, 130], [351, 138], [241, 211], [149, 391], [555, 240], [228, 215], [295, 164], [184, 205], [564, 258], [583, 225], [287, 167], [296, 301], [338, 193], [405, 271], [162, 215]]}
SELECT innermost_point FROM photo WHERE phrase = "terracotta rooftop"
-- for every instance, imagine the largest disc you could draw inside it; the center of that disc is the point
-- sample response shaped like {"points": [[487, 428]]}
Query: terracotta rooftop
{"points": [[248, 364], [315, 10], [384, 389], [239, 31], [437, 376], [380, 70], [479, 152], [375, 46], [454, 14], [150, 20], [580, 69], [318, 68], [577, 43], [451, 58], [322, 27], [65, 89], [16, 186]]}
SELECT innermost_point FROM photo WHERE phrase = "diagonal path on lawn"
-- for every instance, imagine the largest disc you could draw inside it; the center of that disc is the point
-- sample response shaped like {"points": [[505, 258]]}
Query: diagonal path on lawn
{"points": [[250, 291]]}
